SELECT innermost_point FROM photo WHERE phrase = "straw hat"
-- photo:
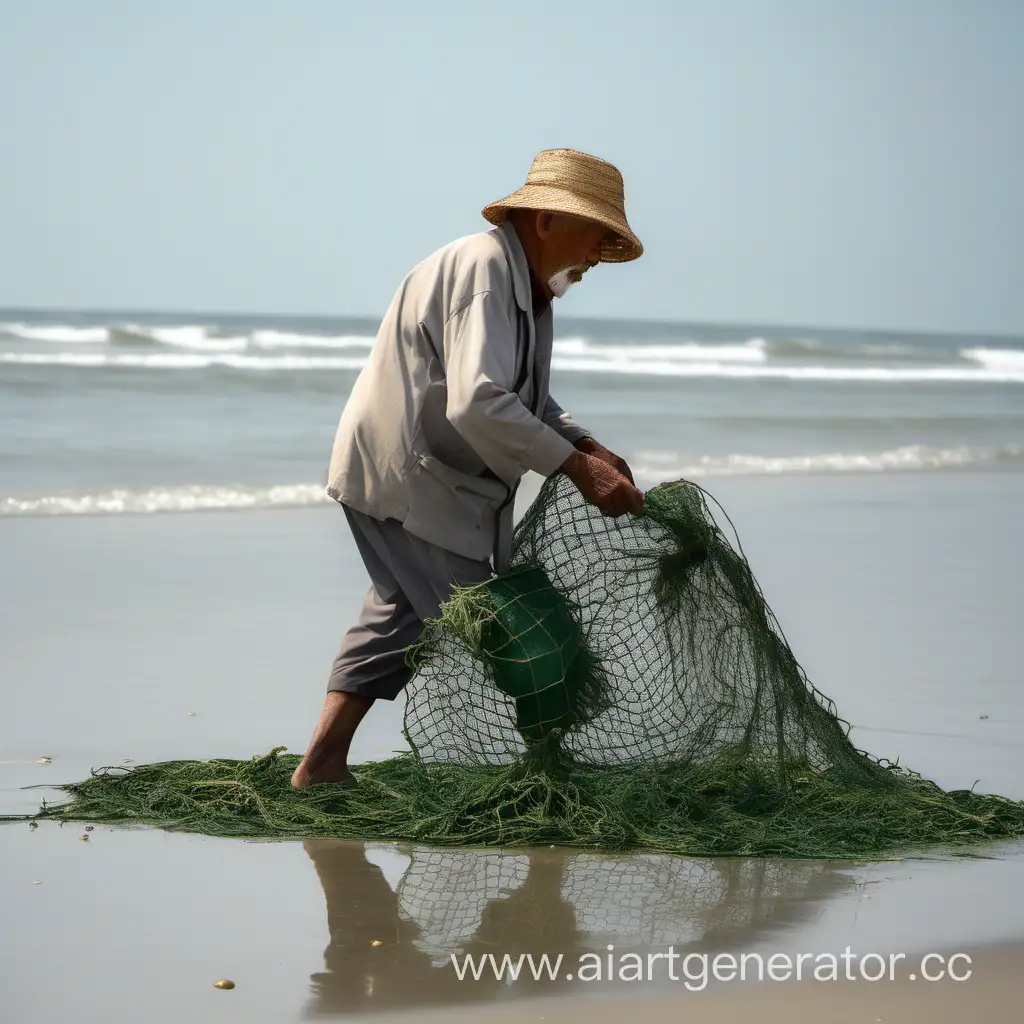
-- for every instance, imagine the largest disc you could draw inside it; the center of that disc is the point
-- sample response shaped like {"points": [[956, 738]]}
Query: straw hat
{"points": [[566, 181]]}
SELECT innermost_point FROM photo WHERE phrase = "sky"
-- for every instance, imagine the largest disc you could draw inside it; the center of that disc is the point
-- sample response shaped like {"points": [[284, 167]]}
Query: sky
{"points": [[846, 164]]}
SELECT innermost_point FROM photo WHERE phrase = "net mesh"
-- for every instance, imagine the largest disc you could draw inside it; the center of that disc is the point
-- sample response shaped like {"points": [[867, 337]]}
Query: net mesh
{"points": [[639, 641], [624, 685]]}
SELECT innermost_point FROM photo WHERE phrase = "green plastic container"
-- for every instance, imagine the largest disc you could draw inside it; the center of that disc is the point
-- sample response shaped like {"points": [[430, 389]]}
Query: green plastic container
{"points": [[534, 646]]}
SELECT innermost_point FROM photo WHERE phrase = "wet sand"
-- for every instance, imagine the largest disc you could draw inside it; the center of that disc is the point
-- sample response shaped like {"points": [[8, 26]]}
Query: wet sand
{"points": [[132, 925], [899, 596]]}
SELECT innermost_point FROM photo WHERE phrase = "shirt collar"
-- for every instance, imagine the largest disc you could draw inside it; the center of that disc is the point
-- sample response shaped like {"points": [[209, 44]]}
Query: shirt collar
{"points": [[520, 265]]}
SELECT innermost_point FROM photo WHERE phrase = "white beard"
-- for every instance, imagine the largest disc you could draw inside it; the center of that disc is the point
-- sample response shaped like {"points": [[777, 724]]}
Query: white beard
{"points": [[561, 282]]}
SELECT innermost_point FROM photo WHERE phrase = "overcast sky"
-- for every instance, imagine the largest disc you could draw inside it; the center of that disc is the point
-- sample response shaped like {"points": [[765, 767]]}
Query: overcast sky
{"points": [[817, 162]]}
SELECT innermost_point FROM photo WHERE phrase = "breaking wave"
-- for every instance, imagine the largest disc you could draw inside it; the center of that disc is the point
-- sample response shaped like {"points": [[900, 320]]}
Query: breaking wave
{"points": [[609, 359], [649, 468]]}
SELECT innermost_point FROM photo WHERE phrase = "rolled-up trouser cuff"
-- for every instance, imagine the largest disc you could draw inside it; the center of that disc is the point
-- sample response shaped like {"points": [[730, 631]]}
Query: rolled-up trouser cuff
{"points": [[382, 676]]}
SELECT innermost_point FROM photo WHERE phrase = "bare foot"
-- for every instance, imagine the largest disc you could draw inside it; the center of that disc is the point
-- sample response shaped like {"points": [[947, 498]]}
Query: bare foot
{"points": [[326, 757], [303, 777]]}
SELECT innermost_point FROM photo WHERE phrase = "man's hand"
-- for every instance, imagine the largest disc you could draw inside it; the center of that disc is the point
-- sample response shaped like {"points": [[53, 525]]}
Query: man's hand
{"points": [[603, 485], [589, 446]]}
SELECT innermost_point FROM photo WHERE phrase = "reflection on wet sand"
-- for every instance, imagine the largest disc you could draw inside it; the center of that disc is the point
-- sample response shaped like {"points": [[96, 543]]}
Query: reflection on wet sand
{"points": [[539, 901]]}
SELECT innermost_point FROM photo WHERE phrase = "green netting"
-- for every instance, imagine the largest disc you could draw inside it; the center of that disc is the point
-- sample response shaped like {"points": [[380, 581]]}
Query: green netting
{"points": [[623, 686]]}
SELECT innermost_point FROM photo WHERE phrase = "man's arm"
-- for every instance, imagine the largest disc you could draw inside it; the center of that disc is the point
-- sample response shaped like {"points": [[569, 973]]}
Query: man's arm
{"points": [[479, 349], [558, 419]]}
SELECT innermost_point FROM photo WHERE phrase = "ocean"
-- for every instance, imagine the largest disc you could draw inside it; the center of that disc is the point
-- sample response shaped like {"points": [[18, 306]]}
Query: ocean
{"points": [[108, 412]]}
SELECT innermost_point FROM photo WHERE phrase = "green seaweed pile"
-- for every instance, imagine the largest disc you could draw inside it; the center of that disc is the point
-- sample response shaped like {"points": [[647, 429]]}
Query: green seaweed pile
{"points": [[624, 685]]}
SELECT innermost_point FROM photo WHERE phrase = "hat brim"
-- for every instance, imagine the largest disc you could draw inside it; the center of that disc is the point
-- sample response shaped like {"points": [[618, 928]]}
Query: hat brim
{"points": [[625, 246]]}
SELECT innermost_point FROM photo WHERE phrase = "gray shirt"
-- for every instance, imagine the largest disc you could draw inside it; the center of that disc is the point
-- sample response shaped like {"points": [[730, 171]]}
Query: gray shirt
{"points": [[453, 405]]}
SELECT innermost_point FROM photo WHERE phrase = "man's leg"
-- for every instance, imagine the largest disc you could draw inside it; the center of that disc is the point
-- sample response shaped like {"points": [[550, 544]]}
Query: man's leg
{"points": [[326, 758], [410, 580], [371, 662], [369, 666]]}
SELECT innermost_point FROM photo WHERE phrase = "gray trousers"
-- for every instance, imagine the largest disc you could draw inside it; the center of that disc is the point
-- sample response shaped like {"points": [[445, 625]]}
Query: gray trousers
{"points": [[409, 580]]}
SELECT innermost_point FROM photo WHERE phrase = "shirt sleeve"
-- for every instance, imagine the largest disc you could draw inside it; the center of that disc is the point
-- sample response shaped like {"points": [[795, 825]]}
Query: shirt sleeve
{"points": [[559, 420], [479, 351]]}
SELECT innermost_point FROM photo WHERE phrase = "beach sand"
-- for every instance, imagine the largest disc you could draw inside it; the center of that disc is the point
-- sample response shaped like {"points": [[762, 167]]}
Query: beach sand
{"points": [[899, 596]]}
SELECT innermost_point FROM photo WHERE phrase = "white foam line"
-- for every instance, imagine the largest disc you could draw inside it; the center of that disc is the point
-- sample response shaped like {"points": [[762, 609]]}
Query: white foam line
{"points": [[55, 333], [687, 352], [648, 468], [269, 364], [182, 361], [878, 374], [192, 498], [268, 339], [906, 457], [996, 359], [1002, 366]]}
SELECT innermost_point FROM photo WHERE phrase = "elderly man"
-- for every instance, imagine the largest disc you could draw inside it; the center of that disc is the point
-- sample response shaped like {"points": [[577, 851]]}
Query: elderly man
{"points": [[451, 409]]}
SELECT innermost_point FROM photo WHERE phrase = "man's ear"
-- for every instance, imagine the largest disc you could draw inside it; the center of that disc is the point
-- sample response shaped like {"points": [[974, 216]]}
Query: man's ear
{"points": [[543, 223]]}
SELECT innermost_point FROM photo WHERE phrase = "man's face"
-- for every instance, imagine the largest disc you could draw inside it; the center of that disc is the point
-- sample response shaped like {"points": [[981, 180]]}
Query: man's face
{"points": [[569, 242]]}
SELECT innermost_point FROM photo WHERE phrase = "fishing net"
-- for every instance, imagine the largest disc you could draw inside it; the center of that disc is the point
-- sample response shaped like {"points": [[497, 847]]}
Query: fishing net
{"points": [[624, 685]]}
